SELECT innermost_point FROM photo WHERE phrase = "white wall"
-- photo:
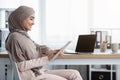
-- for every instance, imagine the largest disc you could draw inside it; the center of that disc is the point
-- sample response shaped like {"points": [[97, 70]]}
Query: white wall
{"points": [[80, 16], [65, 20], [9, 3], [105, 14]]}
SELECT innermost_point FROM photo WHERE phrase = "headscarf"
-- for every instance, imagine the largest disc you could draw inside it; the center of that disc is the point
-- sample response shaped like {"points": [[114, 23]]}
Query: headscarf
{"points": [[18, 16]]}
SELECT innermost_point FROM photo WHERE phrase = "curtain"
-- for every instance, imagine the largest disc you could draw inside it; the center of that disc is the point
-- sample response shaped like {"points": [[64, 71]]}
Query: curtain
{"points": [[64, 20]]}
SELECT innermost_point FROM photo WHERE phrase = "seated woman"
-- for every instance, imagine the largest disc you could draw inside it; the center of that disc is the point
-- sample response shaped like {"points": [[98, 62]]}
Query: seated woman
{"points": [[31, 57]]}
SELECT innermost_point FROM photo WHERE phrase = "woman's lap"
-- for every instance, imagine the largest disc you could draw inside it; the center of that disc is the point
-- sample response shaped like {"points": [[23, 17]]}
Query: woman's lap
{"points": [[69, 74], [62, 74], [49, 77]]}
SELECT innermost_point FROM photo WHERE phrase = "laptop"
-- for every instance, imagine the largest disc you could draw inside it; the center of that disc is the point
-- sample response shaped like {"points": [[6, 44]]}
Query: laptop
{"points": [[58, 53], [85, 43]]}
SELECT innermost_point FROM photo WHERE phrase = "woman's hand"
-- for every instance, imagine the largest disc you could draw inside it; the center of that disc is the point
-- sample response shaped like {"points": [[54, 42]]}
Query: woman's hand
{"points": [[53, 53]]}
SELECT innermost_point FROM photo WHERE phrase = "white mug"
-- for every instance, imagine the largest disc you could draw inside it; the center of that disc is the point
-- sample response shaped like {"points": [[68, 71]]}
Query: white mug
{"points": [[114, 47]]}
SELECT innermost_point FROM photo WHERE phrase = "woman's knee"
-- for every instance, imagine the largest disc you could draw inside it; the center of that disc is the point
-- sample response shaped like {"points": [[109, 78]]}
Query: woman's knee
{"points": [[75, 75], [74, 71]]}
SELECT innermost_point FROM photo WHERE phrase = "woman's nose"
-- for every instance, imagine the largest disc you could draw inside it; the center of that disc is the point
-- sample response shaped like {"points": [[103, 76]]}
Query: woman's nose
{"points": [[33, 23]]}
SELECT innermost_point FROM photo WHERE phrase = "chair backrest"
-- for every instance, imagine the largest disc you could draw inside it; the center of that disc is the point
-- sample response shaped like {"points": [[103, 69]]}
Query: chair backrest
{"points": [[14, 66]]}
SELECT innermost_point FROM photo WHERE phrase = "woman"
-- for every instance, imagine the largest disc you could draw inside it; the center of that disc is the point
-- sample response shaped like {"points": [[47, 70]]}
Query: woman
{"points": [[31, 57]]}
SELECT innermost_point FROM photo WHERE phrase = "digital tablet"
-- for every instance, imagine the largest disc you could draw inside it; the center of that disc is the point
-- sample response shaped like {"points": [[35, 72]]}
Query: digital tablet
{"points": [[57, 54]]}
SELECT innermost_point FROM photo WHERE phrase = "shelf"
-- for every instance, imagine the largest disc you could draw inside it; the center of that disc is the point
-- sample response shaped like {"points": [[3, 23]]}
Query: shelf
{"points": [[108, 71], [102, 70]]}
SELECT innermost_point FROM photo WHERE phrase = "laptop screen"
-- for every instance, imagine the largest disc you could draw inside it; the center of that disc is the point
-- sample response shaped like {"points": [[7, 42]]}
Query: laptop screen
{"points": [[86, 43]]}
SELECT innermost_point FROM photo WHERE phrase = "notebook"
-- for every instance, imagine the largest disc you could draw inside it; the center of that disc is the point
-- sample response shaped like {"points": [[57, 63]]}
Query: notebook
{"points": [[56, 56], [85, 43]]}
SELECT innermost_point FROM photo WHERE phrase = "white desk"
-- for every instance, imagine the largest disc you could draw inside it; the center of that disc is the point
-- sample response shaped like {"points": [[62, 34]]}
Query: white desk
{"points": [[87, 59], [90, 59], [72, 59]]}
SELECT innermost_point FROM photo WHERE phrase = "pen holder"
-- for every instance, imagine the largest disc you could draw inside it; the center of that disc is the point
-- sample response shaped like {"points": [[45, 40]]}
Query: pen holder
{"points": [[103, 47]]}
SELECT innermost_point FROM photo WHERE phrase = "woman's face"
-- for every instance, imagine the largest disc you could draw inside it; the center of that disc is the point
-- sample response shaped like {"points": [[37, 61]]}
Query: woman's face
{"points": [[29, 22]]}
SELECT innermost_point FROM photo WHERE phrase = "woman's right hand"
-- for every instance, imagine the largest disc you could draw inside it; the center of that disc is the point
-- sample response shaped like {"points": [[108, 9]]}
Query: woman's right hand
{"points": [[52, 54]]}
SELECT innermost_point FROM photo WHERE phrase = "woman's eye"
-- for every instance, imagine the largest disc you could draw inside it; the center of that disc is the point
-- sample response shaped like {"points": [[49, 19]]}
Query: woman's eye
{"points": [[31, 18]]}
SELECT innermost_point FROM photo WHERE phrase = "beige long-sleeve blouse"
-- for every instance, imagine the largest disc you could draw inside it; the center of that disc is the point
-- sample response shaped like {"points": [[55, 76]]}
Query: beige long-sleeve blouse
{"points": [[29, 56]]}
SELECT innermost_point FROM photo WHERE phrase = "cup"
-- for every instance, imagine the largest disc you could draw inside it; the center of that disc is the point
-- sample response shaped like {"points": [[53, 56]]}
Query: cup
{"points": [[114, 47]]}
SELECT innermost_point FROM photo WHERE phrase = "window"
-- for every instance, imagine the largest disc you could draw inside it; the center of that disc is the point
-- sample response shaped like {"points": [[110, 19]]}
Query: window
{"points": [[64, 20]]}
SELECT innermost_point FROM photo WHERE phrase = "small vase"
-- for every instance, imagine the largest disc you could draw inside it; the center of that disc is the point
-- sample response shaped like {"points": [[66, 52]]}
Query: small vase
{"points": [[103, 47]]}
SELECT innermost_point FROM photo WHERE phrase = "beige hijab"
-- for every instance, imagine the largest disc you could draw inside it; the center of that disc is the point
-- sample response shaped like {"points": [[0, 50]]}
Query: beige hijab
{"points": [[16, 18]]}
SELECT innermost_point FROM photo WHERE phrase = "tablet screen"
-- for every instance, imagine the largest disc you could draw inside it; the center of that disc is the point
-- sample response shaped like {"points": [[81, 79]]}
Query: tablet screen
{"points": [[57, 54]]}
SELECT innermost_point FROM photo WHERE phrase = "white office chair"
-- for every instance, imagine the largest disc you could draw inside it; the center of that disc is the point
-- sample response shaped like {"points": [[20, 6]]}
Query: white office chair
{"points": [[14, 67]]}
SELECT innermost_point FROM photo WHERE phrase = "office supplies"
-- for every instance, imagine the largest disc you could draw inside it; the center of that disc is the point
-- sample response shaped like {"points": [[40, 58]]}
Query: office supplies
{"points": [[98, 39], [55, 56], [86, 43]]}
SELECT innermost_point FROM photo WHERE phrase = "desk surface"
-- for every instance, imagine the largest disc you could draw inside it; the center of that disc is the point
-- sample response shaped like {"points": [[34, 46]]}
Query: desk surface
{"points": [[74, 56], [3, 54]]}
